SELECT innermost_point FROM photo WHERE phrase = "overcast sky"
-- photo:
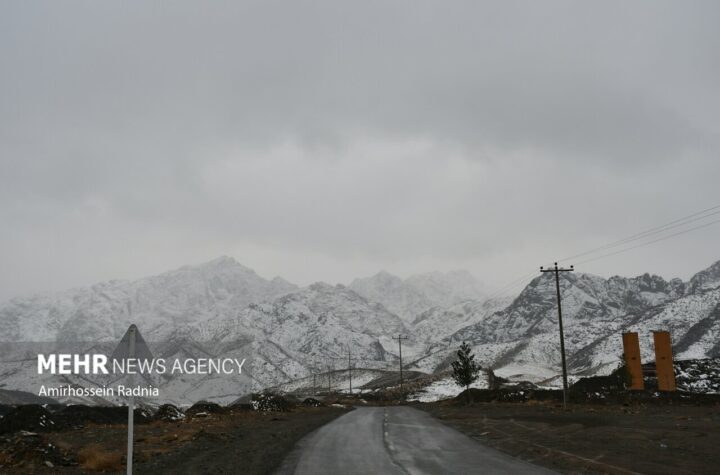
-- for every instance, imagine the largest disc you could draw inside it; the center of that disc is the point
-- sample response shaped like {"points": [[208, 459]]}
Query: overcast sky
{"points": [[329, 140]]}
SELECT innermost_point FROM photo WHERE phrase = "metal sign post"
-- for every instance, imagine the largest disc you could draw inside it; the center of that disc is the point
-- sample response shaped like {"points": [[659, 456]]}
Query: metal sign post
{"points": [[131, 347], [132, 331]]}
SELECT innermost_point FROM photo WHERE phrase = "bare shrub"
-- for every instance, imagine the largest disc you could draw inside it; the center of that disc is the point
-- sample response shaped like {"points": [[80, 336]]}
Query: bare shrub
{"points": [[94, 457]]}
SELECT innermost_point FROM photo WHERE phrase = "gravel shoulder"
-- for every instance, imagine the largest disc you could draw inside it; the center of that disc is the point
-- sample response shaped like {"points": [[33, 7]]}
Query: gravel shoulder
{"points": [[247, 442], [254, 445], [661, 439]]}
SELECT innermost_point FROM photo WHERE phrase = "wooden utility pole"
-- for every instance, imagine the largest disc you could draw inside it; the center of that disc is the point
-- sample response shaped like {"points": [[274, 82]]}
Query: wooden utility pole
{"points": [[350, 369], [557, 271], [400, 338], [328, 376]]}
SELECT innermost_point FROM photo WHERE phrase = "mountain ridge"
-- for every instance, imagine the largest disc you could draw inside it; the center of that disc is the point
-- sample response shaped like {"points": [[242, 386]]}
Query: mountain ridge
{"points": [[223, 308], [410, 297]]}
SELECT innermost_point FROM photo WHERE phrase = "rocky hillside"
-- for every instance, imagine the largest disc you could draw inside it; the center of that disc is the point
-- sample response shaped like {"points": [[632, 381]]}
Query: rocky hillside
{"points": [[411, 297], [158, 304], [222, 308], [522, 339]]}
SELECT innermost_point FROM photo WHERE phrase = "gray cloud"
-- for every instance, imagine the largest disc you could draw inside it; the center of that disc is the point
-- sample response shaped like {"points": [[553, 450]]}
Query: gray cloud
{"points": [[322, 140]]}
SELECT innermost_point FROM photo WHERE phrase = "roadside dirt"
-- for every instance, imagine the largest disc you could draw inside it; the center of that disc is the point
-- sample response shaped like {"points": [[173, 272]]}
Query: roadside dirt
{"points": [[234, 441], [615, 439]]}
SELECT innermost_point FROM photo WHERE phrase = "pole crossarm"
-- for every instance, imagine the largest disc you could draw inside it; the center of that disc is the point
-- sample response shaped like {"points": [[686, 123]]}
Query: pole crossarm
{"points": [[556, 270]]}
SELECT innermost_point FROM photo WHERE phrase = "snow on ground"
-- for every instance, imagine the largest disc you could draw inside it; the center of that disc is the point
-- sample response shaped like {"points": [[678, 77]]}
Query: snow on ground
{"points": [[696, 351], [445, 388], [698, 376], [557, 382], [338, 381], [359, 378], [523, 372]]}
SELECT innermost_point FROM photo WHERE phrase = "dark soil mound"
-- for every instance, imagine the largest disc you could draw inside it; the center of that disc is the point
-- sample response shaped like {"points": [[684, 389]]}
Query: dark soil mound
{"points": [[311, 402], [600, 386], [31, 418], [605, 390], [271, 403], [242, 403], [515, 394], [53, 408], [698, 376], [79, 415], [22, 448], [18, 398], [203, 408], [169, 413]]}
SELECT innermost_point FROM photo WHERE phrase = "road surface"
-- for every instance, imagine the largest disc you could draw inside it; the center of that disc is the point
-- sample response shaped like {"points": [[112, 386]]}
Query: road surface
{"points": [[396, 440]]}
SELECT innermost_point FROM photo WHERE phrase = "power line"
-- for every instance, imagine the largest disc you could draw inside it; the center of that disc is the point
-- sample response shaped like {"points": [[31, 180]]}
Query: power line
{"points": [[509, 290], [520, 281], [697, 216], [693, 217], [650, 242], [511, 285]]}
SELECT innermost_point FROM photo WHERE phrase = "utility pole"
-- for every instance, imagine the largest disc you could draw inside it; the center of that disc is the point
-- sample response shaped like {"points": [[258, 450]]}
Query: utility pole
{"points": [[350, 370], [400, 338], [316, 368], [557, 271], [328, 377]]}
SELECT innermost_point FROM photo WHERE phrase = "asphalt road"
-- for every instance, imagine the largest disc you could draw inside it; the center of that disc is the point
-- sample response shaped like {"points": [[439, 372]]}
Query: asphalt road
{"points": [[396, 440]]}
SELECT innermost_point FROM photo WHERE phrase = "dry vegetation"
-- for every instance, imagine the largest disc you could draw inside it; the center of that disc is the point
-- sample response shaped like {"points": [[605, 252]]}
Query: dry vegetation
{"points": [[98, 458], [211, 443]]}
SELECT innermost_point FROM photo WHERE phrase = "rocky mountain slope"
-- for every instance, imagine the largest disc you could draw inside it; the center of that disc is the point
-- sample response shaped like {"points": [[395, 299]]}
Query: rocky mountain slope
{"points": [[218, 309], [410, 297], [223, 309], [437, 323], [158, 304], [522, 340]]}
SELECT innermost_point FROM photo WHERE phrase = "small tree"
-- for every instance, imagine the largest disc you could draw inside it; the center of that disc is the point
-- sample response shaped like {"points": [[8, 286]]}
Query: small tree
{"points": [[465, 369]]}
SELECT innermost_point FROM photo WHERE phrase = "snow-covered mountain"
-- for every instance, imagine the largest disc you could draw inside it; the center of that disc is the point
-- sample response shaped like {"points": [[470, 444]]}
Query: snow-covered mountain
{"points": [[158, 304], [438, 323], [223, 309], [411, 297], [312, 329], [522, 339], [217, 309]]}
